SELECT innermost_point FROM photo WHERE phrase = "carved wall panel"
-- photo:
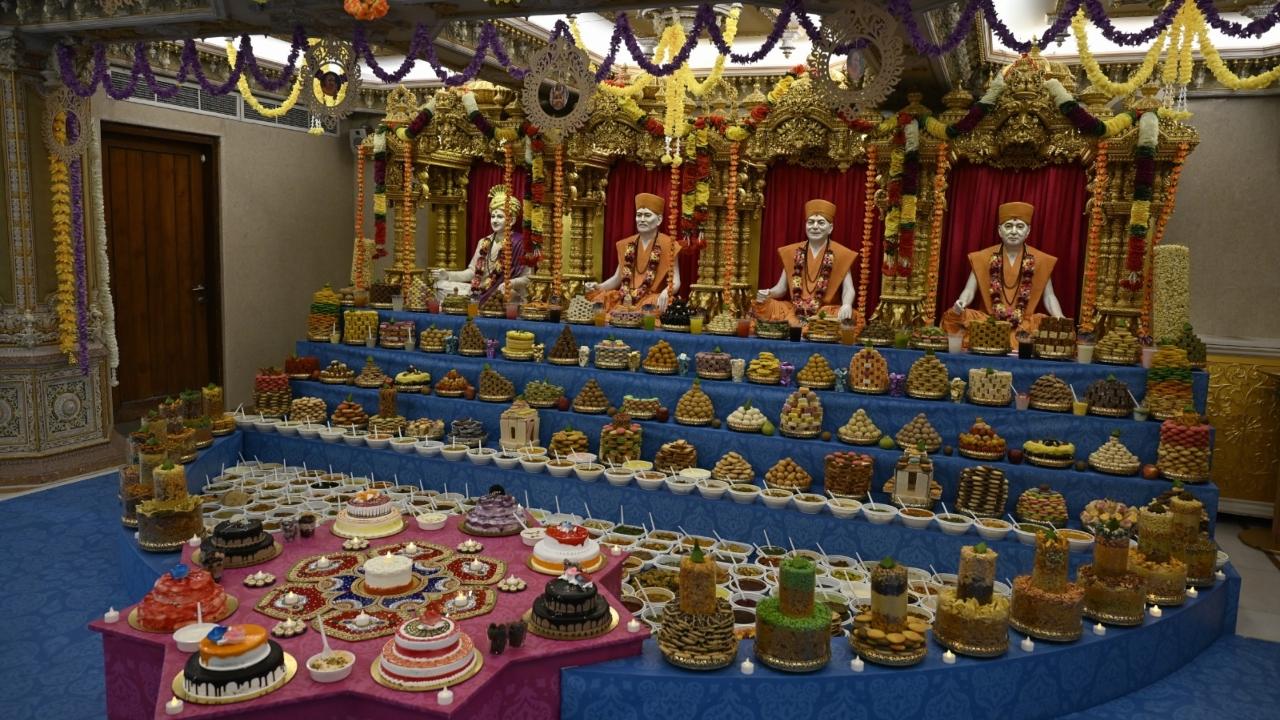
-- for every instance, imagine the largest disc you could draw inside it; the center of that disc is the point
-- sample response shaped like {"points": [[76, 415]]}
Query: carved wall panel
{"points": [[1244, 408]]}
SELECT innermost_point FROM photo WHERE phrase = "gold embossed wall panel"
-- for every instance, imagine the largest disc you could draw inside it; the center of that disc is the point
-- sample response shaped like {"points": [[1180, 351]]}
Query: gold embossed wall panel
{"points": [[1244, 408]]}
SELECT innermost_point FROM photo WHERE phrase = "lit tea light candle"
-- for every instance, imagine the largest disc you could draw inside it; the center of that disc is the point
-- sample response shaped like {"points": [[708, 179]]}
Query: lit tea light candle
{"points": [[633, 626], [1027, 644], [445, 697], [323, 562], [949, 658], [411, 549], [747, 667], [1220, 575], [173, 707], [194, 541], [1192, 592], [363, 619], [614, 550], [292, 598], [1099, 629], [856, 664], [1156, 611], [111, 615]]}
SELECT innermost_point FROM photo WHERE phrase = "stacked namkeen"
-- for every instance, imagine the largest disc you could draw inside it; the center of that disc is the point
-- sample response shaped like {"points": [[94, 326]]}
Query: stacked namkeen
{"points": [[697, 628]]}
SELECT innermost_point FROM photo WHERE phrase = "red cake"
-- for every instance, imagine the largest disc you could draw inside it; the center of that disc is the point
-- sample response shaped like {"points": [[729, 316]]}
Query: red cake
{"points": [[172, 601], [567, 534]]}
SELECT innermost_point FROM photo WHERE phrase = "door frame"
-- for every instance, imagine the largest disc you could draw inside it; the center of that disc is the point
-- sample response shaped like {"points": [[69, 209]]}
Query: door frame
{"points": [[210, 146]]}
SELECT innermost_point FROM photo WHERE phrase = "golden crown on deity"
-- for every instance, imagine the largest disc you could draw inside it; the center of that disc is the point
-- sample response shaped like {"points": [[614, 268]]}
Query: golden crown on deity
{"points": [[402, 105]]}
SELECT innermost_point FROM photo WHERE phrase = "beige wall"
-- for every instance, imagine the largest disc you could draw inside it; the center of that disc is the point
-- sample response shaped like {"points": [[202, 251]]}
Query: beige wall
{"points": [[286, 218], [1227, 200]]}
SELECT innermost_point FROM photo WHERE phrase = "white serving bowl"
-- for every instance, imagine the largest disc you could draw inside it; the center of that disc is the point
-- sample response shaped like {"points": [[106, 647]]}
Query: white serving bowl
{"points": [[288, 427], [481, 455], [998, 532], [507, 459], [428, 448], [244, 422], [954, 523], [713, 489], [916, 522], [454, 452], [597, 527], [1221, 560], [432, 520], [588, 472], [332, 435], [378, 442], [581, 457], [809, 503], [403, 445], [331, 676], [188, 637], [1026, 537], [844, 508], [531, 536], [696, 474], [1077, 540], [560, 467], [744, 494], [650, 479], [309, 430], [681, 485], [638, 465], [265, 424], [879, 513], [533, 463], [773, 498], [354, 438], [619, 476]]}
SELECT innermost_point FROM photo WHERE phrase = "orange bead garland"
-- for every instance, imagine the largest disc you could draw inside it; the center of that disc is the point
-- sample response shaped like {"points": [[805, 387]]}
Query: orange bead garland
{"points": [[508, 170], [556, 220], [673, 217], [728, 248], [406, 249], [359, 273], [868, 220]]}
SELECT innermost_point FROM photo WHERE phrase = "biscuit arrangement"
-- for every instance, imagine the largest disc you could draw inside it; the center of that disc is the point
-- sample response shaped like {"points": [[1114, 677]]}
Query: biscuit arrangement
{"points": [[733, 468], [983, 491], [928, 378], [788, 475], [675, 456], [817, 373]]}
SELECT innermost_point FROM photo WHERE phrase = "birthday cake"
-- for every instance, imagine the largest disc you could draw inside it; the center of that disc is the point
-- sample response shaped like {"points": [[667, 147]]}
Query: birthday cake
{"points": [[388, 574], [369, 514], [566, 544], [570, 608], [242, 542], [1045, 605], [172, 601], [236, 661], [426, 653], [494, 515]]}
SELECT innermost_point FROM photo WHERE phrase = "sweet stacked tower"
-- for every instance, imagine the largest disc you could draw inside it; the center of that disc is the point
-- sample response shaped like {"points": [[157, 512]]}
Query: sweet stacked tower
{"points": [[1046, 605], [972, 619], [697, 630], [793, 632]]}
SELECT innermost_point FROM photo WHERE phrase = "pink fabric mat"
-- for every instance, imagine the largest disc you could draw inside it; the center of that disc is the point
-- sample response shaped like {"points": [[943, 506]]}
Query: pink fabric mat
{"points": [[522, 683]]}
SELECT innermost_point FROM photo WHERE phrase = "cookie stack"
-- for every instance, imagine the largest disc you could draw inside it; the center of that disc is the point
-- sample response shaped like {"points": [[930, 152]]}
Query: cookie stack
{"points": [[1114, 458], [432, 339], [919, 431], [568, 441], [801, 415], [928, 378], [591, 399], [676, 456], [694, 407], [349, 414], [765, 369], [847, 473], [307, 410], [1051, 393], [542, 394], [733, 468], [452, 384], [620, 440], [983, 491], [788, 475], [712, 365]]}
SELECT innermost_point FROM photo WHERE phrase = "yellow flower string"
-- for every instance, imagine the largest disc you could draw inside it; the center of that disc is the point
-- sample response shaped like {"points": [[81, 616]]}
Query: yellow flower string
{"points": [[1096, 219], [247, 93], [1177, 39], [64, 262], [1094, 71], [685, 74]]}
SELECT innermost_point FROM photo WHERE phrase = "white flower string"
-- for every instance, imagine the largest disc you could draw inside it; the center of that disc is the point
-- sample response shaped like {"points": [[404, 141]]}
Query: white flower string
{"points": [[105, 305]]}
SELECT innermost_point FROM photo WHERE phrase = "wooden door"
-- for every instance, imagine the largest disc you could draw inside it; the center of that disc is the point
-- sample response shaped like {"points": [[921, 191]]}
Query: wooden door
{"points": [[161, 210]]}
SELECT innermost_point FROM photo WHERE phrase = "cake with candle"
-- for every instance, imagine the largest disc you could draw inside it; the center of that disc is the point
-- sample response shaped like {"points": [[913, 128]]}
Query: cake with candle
{"points": [[697, 627], [563, 545], [495, 515], [427, 652], [1164, 574], [234, 662], [793, 631], [172, 601], [369, 514], [1045, 604], [1112, 593], [388, 574], [887, 634], [243, 542], [570, 608], [971, 618]]}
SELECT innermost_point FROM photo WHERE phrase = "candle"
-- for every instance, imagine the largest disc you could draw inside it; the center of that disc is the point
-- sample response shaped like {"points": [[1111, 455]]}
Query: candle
{"points": [[748, 667], [1220, 575], [111, 615], [1027, 645], [445, 697], [363, 619], [292, 598], [411, 549], [1156, 611], [633, 626], [173, 707], [194, 541], [1192, 592], [614, 550], [1099, 629], [949, 658], [856, 664], [323, 562]]}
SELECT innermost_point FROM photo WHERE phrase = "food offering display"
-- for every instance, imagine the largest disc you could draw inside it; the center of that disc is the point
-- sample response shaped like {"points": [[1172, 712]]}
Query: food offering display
{"points": [[928, 378], [1112, 594], [349, 414], [626, 317], [571, 608], [565, 349], [612, 354], [370, 514], [793, 630], [713, 365], [371, 376], [1113, 458], [424, 429], [912, 484], [988, 386], [919, 431], [471, 341], [568, 441], [519, 426], [494, 386], [661, 359], [271, 392], [581, 311], [427, 652], [413, 380], [765, 369], [519, 345], [1193, 546], [928, 337], [241, 541], [453, 384], [297, 368], [733, 468], [591, 399], [821, 328], [1169, 382], [1051, 394], [869, 372], [542, 393], [337, 373], [676, 317], [847, 474], [1109, 398], [180, 597], [1049, 452], [817, 373], [496, 514], [723, 324], [1055, 338], [746, 418], [1183, 453], [697, 626], [171, 516], [801, 415], [694, 407], [566, 545], [322, 317], [395, 334], [675, 456], [859, 430], [1195, 348], [388, 421], [981, 442], [1045, 604], [990, 337], [972, 619], [787, 474], [308, 410], [1118, 347], [620, 440], [359, 326], [885, 633], [772, 329], [468, 432], [234, 663], [1165, 576], [1042, 505], [433, 339], [983, 491]]}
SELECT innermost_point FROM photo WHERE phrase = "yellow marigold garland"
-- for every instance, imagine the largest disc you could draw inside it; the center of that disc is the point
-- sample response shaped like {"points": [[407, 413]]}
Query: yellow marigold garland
{"points": [[247, 93], [935, 227], [64, 261], [1221, 72], [728, 248], [1094, 71], [1089, 295], [868, 220]]}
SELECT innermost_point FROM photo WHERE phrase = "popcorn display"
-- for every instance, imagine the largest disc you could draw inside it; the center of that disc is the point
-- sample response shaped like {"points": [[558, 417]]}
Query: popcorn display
{"points": [[1171, 289]]}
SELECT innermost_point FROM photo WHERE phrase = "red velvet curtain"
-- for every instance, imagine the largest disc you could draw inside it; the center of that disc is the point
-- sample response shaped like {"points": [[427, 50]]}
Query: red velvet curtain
{"points": [[787, 188], [626, 180], [484, 175], [1058, 226]]}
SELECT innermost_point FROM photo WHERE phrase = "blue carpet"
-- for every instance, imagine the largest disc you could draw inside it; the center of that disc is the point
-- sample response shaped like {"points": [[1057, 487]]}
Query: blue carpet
{"points": [[61, 569]]}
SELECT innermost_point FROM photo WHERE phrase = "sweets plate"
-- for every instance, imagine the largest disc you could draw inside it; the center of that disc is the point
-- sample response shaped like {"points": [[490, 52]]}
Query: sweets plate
{"points": [[1045, 633], [778, 663]]}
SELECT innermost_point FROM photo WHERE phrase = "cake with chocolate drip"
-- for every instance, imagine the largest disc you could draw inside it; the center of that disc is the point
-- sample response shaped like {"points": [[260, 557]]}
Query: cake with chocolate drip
{"points": [[1045, 604], [697, 627], [570, 608], [971, 618], [793, 631], [234, 662]]}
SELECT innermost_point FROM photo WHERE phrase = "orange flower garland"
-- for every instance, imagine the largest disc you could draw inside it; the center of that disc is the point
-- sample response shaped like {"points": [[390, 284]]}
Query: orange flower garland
{"points": [[868, 219], [935, 247], [556, 220], [673, 217], [508, 169], [359, 272], [365, 9], [406, 250], [1157, 232], [728, 248], [1089, 298]]}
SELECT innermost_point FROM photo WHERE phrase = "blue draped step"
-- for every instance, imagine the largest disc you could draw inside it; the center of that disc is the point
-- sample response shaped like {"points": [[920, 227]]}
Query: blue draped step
{"points": [[1024, 372], [763, 452]]}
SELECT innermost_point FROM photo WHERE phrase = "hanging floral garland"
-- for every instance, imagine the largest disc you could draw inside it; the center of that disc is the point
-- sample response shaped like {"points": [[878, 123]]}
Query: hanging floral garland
{"points": [[729, 244], [1093, 70], [246, 92], [379, 192], [406, 250], [101, 259], [79, 265], [508, 171], [359, 271], [1157, 233], [1097, 217], [63, 255], [1082, 119], [868, 221], [941, 164], [1221, 72], [557, 214], [1144, 176]]}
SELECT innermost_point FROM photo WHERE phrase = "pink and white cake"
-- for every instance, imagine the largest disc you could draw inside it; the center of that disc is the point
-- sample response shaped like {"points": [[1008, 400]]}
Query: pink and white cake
{"points": [[427, 652], [566, 543], [369, 514], [388, 574]]}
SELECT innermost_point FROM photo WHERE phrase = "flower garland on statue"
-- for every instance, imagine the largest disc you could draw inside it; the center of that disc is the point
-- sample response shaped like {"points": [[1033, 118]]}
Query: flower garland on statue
{"points": [[868, 221], [627, 271], [806, 306], [1000, 301], [246, 92], [1089, 295], [939, 210], [63, 255], [729, 244], [1166, 209]]}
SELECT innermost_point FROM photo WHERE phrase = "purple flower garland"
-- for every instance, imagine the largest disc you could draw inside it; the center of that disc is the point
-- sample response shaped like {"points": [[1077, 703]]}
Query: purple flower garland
{"points": [[1253, 29], [78, 248]]}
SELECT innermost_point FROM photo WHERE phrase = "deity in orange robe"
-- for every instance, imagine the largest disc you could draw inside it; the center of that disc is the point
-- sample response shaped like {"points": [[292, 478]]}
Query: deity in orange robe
{"points": [[1011, 278], [815, 274], [644, 262]]}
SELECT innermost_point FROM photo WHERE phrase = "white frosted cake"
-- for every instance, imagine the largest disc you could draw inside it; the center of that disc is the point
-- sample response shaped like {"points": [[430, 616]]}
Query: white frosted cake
{"points": [[388, 574], [427, 652], [566, 543], [369, 514]]}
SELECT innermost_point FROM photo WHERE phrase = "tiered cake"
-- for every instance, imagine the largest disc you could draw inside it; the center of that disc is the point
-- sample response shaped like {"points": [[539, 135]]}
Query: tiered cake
{"points": [[697, 627], [172, 516], [235, 662], [793, 632], [519, 345], [495, 515], [971, 618], [370, 514], [1165, 575], [427, 653], [172, 602], [1046, 605], [570, 608], [322, 320], [888, 634], [1112, 594], [242, 542], [566, 544]]}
